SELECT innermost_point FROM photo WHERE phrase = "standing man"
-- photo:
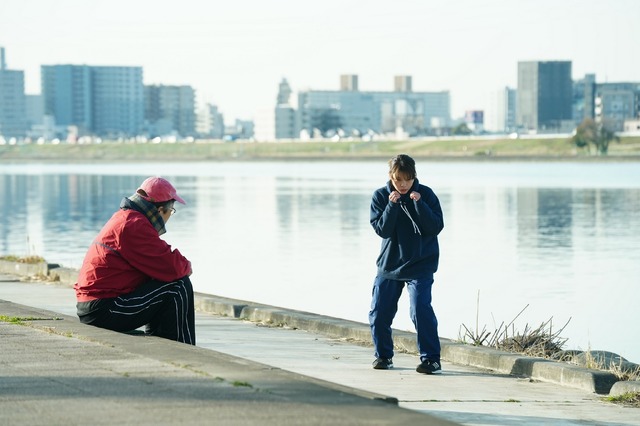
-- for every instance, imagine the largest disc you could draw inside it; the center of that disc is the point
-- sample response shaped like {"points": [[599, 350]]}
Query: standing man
{"points": [[408, 217], [130, 277]]}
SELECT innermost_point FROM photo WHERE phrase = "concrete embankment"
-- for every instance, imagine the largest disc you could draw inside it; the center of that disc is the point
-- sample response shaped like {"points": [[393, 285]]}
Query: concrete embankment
{"points": [[562, 373]]}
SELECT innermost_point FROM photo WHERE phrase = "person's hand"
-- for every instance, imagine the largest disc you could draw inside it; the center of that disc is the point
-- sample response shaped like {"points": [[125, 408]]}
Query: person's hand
{"points": [[415, 196], [394, 197]]}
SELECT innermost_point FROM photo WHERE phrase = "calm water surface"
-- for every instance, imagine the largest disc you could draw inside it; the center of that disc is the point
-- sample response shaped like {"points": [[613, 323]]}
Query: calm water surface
{"points": [[562, 239]]}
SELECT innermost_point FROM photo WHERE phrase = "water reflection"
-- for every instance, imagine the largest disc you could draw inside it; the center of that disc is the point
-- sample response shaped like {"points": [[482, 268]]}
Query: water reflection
{"points": [[560, 238]]}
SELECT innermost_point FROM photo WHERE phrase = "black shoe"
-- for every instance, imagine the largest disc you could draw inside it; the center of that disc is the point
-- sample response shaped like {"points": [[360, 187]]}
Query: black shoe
{"points": [[429, 367], [382, 363]]}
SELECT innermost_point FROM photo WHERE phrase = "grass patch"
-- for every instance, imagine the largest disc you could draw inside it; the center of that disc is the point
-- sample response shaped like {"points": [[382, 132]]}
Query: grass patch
{"points": [[12, 320], [317, 150], [21, 320], [629, 399], [23, 259]]}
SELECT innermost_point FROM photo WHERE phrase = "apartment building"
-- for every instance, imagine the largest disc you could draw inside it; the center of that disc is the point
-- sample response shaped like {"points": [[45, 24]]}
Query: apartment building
{"points": [[616, 103], [13, 116], [105, 101], [170, 110], [351, 112], [545, 95]]}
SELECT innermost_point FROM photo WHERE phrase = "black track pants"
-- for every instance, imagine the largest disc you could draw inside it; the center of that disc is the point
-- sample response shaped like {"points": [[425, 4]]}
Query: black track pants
{"points": [[165, 309]]}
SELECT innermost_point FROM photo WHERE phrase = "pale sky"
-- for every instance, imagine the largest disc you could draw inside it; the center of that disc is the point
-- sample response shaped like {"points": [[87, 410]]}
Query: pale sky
{"points": [[234, 53]]}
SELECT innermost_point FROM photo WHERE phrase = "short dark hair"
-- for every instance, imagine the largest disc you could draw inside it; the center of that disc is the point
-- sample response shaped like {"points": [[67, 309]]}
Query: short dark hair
{"points": [[404, 164]]}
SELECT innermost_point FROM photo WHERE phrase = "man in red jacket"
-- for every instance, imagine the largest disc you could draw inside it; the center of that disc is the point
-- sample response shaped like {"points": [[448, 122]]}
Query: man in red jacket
{"points": [[130, 277]]}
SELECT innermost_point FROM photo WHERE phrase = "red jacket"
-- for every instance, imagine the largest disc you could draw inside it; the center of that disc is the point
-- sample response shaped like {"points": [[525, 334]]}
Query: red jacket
{"points": [[127, 252]]}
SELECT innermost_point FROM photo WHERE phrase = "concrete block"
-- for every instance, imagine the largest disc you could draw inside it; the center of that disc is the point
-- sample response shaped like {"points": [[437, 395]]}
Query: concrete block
{"points": [[628, 386], [24, 269]]}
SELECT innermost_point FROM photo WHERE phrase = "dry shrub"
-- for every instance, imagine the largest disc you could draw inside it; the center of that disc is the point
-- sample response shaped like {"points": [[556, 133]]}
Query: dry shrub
{"points": [[542, 341]]}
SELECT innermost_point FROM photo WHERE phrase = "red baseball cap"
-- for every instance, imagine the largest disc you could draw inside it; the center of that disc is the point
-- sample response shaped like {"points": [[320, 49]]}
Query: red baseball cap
{"points": [[159, 190]]}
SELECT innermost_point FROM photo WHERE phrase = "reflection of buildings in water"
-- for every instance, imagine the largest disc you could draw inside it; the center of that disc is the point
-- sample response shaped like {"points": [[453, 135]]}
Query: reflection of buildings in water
{"points": [[565, 217], [74, 207], [600, 210], [545, 217], [234, 211], [319, 204], [323, 209], [13, 208], [56, 215], [354, 211], [477, 222]]}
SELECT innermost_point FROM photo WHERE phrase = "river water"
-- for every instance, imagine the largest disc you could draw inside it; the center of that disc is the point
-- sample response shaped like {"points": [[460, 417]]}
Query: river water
{"points": [[560, 240]]}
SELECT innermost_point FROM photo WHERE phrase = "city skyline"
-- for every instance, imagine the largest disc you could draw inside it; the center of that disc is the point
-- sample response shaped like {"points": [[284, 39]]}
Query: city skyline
{"points": [[235, 54]]}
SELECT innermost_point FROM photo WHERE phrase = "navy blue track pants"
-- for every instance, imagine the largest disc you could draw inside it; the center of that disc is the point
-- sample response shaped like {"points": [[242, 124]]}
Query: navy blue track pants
{"points": [[384, 305]]}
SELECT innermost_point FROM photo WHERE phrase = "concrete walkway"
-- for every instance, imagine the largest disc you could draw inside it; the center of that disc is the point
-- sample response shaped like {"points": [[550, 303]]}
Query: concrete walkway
{"points": [[249, 372]]}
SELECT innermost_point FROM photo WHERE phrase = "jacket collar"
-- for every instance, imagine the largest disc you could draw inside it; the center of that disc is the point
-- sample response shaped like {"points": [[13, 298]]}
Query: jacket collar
{"points": [[137, 203]]}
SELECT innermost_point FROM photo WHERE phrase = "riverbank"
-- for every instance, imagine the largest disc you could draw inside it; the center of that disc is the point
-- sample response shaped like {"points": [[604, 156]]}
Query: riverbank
{"points": [[445, 149], [253, 373], [599, 372]]}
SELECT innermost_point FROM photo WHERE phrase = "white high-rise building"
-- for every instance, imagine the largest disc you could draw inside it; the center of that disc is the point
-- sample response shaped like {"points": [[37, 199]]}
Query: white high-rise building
{"points": [[500, 116], [265, 125], [210, 122]]}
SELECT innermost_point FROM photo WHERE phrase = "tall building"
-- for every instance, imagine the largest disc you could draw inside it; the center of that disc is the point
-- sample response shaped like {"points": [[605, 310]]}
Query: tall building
{"points": [[285, 114], [502, 117], [100, 100], [35, 110], [67, 95], [324, 112], [118, 101], [265, 125], [13, 116], [284, 92], [402, 83], [285, 122], [545, 95], [584, 92], [170, 109], [349, 83], [616, 103]]}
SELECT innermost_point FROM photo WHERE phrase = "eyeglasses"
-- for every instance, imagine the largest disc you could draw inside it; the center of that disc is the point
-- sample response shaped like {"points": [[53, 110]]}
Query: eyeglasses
{"points": [[173, 211]]}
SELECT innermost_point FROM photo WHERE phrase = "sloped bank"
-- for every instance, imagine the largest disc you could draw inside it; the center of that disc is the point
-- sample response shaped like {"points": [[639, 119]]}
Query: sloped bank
{"points": [[600, 382]]}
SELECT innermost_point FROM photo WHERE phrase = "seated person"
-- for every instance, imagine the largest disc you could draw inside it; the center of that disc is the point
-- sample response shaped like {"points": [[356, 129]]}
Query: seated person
{"points": [[130, 277]]}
